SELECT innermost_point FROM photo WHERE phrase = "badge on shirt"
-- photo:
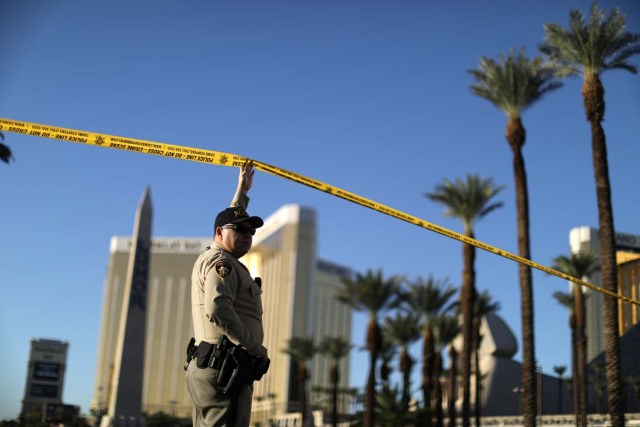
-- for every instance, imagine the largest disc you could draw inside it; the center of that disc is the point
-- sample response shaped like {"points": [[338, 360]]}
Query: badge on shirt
{"points": [[223, 268]]}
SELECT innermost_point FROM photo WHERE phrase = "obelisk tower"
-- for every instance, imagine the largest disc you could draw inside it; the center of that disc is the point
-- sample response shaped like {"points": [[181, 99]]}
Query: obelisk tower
{"points": [[125, 404]]}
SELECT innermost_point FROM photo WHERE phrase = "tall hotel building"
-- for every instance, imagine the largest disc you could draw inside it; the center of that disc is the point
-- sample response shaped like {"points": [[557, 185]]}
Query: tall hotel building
{"points": [[628, 260], [298, 301]]}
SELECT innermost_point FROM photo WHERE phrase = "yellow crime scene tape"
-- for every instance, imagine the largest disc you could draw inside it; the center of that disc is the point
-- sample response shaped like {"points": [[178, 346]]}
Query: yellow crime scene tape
{"points": [[227, 159]]}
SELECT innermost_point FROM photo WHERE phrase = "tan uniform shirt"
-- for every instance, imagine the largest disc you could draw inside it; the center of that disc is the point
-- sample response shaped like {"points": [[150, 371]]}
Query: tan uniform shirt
{"points": [[225, 299]]}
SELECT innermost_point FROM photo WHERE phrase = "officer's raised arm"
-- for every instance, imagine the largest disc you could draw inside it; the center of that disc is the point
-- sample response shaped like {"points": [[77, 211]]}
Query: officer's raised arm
{"points": [[245, 181]]}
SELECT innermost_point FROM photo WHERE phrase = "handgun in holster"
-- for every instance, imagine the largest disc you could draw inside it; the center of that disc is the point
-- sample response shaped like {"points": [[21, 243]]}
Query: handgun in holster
{"points": [[235, 371], [240, 369]]}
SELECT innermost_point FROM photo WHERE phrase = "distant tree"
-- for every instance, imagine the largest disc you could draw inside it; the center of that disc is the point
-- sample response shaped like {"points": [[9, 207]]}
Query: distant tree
{"points": [[598, 384], [387, 352], [579, 265], [301, 350], [445, 328], [390, 410], [468, 200], [588, 49], [634, 383], [335, 348], [570, 395], [453, 383], [403, 330], [32, 418], [429, 298], [559, 369], [567, 300], [371, 293]]}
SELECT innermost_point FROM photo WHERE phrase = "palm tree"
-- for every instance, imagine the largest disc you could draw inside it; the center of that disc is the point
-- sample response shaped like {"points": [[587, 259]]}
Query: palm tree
{"points": [[428, 298], [301, 351], [634, 383], [569, 382], [580, 265], [484, 305], [387, 352], [5, 152], [589, 49], [559, 369], [403, 329], [597, 382], [469, 201], [445, 328], [567, 300], [390, 409], [371, 293], [513, 84], [336, 348], [453, 384]]}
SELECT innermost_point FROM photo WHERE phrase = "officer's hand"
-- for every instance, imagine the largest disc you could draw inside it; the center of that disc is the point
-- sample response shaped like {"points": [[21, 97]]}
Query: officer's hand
{"points": [[245, 179]]}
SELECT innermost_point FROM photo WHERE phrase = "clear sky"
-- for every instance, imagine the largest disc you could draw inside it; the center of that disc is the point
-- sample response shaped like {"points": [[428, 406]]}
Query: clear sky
{"points": [[370, 96]]}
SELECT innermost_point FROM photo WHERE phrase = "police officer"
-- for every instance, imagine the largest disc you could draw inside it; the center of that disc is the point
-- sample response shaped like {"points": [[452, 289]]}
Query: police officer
{"points": [[226, 300]]}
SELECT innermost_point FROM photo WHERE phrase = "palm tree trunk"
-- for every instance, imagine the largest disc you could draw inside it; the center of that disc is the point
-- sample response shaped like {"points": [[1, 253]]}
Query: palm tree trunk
{"points": [[593, 96], [516, 138], [453, 382], [476, 370], [438, 390], [374, 341], [371, 393], [405, 369], [559, 395], [335, 379], [574, 371], [467, 302], [427, 372], [303, 393], [581, 354]]}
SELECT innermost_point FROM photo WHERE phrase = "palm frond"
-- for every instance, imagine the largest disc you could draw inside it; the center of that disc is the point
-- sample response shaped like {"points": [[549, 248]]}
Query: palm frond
{"points": [[591, 47], [514, 82], [402, 329], [469, 200]]}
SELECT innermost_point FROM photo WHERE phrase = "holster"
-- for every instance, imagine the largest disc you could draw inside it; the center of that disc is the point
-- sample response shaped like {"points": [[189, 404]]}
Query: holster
{"points": [[203, 354], [191, 349], [237, 368], [235, 371]]}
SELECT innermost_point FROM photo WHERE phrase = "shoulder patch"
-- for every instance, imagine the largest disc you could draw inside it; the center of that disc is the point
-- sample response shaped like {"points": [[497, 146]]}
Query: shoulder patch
{"points": [[223, 268]]}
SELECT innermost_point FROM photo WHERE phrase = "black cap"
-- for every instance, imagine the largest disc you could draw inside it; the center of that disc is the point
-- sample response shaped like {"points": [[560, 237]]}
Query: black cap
{"points": [[235, 215]]}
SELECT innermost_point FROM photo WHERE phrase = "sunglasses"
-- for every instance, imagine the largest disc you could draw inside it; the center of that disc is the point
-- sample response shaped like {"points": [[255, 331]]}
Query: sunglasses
{"points": [[240, 229]]}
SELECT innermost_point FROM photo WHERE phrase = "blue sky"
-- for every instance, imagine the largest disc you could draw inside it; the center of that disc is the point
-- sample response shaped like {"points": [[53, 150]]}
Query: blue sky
{"points": [[372, 97]]}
